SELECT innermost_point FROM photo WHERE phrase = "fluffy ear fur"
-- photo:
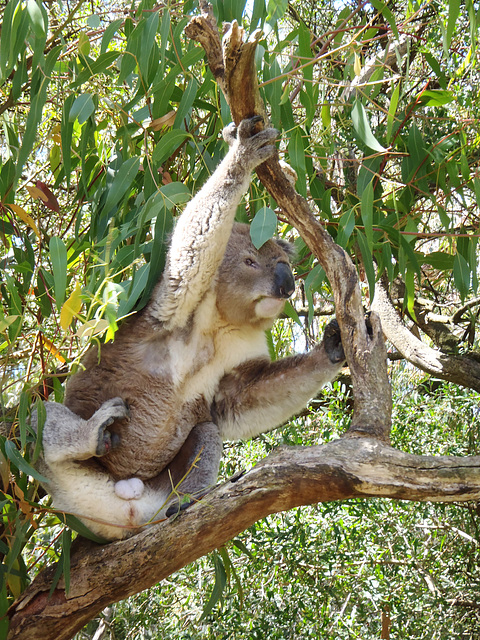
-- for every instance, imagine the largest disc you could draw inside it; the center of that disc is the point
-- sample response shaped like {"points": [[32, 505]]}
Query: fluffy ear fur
{"points": [[288, 247]]}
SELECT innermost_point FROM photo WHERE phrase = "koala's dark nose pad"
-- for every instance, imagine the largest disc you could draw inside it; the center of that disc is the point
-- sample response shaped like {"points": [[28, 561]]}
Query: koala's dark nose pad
{"points": [[283, 280]]}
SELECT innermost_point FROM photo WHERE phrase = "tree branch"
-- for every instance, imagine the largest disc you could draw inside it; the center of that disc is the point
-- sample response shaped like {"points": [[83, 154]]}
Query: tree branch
{"points": [[458, 369], [366, 355], [289, 477]]}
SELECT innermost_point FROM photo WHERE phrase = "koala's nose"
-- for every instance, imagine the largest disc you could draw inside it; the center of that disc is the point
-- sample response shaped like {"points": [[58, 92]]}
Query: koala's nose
{"points": [[283, 280]]}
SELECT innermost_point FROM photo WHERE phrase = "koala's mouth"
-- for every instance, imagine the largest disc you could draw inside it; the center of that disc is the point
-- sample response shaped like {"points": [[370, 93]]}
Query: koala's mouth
{"points": [[269, 307]]}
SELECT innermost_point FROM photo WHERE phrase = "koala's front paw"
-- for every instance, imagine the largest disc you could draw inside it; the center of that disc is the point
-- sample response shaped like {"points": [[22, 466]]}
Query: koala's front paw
{"points": [[111, 410], [254, 147], [332, 341]]}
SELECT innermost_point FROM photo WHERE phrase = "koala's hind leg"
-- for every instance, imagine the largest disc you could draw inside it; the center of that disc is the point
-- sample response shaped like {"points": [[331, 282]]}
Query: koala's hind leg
{"points": [[66, 436], [194, 469]]}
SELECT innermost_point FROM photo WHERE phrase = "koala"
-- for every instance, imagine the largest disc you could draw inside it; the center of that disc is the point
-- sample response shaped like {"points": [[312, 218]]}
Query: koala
{"points": [[143, 422]]}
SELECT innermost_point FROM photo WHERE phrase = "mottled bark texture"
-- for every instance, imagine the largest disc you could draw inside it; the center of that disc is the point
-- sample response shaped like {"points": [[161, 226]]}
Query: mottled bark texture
{"points": [[349, 467], [459, 369]]}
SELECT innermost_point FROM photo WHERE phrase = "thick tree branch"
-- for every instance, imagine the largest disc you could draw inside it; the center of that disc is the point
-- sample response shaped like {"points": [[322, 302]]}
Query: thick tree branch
{"points": [[289, 477], [458, 369], [366, 355]]}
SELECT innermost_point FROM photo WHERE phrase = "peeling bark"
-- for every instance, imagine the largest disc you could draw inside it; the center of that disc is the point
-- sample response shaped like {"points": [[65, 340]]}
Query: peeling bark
{"points": [[461, 370]]}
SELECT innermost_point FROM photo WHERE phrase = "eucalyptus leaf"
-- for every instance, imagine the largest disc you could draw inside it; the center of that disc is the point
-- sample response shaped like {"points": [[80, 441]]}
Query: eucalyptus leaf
{"points": [[263, 227]]}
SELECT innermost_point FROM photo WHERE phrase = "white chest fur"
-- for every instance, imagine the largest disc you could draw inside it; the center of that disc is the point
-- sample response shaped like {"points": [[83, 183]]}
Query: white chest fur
{"points": [[195, 362]]}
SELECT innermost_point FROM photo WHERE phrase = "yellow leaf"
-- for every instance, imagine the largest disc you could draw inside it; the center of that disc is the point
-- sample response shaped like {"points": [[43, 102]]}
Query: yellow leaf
{"points": [[164, 121], [71, 307], [36, 193], [357, 65], [83, 44], [23, 215], [92, 328], [53, 349]]}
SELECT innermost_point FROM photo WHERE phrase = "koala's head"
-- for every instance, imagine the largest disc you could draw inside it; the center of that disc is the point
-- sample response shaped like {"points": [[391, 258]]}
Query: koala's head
{"points": [[253, 284]]}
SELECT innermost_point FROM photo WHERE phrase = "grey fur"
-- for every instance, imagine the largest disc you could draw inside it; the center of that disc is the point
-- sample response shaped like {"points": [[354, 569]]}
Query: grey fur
{"points": [[193, 366]]}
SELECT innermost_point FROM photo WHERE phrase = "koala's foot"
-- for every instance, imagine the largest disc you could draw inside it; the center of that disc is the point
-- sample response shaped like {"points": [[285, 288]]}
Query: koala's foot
{"points": [[130, 489], [255, 147], [111, 410]]}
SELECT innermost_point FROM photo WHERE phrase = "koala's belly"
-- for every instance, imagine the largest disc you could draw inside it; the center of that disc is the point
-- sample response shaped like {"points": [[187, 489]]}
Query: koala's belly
{"points": [[153, 435]]}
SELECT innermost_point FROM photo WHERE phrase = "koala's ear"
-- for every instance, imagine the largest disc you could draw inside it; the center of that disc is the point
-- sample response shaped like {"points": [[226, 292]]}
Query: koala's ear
{"points": [[288, 247]]}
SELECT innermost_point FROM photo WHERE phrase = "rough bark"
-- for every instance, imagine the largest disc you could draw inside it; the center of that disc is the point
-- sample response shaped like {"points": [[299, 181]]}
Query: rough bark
{"points": [[289, 477]]}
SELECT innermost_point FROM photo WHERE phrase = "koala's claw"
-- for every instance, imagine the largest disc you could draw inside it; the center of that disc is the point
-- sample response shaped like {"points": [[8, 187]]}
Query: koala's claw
{"points": [[247, 127], [332, 341], [255, 146]]}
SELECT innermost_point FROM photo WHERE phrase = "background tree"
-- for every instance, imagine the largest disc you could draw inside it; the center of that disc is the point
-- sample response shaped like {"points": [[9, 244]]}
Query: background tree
{"points": [[111, 120]]}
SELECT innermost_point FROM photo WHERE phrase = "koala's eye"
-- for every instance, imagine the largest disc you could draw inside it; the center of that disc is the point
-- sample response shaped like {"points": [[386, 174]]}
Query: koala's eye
{"points": [[250, 262]]}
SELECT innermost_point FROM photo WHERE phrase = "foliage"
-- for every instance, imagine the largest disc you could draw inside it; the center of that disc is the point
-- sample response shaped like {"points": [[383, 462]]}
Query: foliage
{"points": [[110, 120]]}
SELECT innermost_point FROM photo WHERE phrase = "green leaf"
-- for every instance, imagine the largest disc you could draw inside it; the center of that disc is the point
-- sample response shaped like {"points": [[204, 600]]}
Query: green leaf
{"points": [[367, 262], [93, 21], [382, 8], [36, 109], [437, 259], [66, 136], [58, 256], [168, 144], [453, 13], [346, 225], [121, 182], [100, 65], [263, 227], [76, 525], [362, 128], [291, 312], [296, 152], [36, 18], [108, 34], [367, 213], [66, 545], [163, 228], [82, 108], [436, 97], [218, 587], [276, 10], [41, 419], [22, 418], [136, 289], [14, 455], [186, 103], [313, 282], [392, 110]]}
